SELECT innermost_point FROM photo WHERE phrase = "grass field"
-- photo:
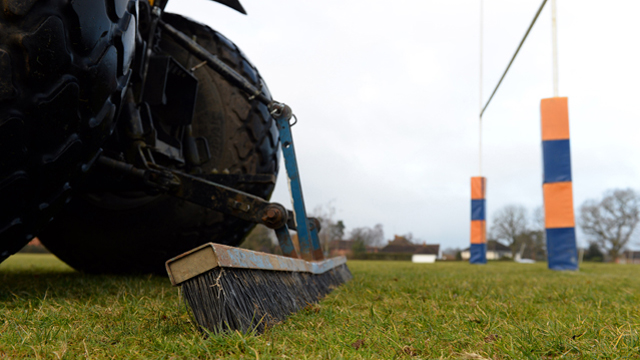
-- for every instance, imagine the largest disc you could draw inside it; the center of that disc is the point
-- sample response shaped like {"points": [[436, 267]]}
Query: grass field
{"points": [[389, 310]]}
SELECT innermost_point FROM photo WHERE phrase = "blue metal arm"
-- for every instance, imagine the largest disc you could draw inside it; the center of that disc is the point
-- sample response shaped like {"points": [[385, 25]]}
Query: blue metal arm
{"points": [[307, 234]]}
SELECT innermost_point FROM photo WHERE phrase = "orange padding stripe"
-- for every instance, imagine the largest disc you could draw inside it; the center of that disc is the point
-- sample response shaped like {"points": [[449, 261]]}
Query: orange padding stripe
{"points": [[554, 114], [478, 232], [558, 205], [478, 187]]}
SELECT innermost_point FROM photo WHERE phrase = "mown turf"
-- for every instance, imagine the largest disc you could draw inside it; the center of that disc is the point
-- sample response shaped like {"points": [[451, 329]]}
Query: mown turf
{"points": [[390, 310]]}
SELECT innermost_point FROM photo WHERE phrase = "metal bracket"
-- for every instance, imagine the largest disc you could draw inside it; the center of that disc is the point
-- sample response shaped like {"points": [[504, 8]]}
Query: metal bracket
{"points": [[215, 196], [233, 180], [307, 234], [210, 194]]}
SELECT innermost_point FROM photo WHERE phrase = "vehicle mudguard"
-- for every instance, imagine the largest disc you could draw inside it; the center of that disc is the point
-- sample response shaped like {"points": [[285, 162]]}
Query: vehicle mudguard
{"points": [[234, 4]]}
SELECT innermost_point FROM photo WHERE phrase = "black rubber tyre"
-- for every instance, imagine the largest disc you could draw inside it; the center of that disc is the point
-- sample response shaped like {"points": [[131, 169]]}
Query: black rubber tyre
{"points": [[63, 69], [113, 232]]}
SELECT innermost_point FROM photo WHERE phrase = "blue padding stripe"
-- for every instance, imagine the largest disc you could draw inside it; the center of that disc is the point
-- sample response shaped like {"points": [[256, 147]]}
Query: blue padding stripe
{"points": [[477, 209], [557, 161], [478, 254], [562, 251]]}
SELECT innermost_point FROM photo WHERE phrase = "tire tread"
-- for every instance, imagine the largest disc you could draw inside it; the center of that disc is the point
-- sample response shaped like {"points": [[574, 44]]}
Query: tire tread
{"points": [[140, 237], [46, 82]]}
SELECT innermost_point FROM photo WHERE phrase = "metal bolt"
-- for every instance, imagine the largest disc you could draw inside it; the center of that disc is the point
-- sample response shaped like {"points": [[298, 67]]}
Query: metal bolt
{"points": [[273, 216]]}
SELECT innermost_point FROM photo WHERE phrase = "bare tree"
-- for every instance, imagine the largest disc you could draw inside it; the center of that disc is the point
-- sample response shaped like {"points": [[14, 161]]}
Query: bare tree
{"points": [[534, 244], [330, 228], [537, 223], [593, 253], [366, 236], [611, 221], [451, 251], [409, 237], [510, 224], [535, 238], [455, 252], [336, 232]]}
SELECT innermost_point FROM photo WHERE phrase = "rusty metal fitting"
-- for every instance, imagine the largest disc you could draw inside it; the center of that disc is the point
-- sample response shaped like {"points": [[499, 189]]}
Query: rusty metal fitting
{"points": [[274, 216], [315, 223], [280, 110]]}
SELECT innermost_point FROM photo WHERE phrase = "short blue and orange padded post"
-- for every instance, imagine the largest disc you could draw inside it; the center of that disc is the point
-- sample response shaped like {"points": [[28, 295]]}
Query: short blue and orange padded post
{"points": [[478, 249], [562, 252]]}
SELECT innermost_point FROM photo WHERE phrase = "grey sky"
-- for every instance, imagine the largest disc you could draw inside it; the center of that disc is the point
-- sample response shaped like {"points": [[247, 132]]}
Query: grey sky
{"points": [[386, 93]]}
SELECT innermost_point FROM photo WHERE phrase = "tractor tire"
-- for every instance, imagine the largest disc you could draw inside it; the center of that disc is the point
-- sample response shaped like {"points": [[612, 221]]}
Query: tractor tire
{"points": [[119, 232], [63, 69]]}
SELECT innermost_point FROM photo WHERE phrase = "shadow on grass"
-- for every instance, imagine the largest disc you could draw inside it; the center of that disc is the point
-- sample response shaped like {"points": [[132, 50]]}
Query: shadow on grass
{"points": [[76, 286]]}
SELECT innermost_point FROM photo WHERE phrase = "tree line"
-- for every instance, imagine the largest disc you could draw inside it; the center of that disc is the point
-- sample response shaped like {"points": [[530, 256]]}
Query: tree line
{"points": [[263, 239], [608, 223]]}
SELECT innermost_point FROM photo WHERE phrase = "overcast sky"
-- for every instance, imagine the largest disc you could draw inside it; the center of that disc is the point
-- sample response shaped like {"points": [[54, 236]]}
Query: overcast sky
{"points": [[386, 93]]}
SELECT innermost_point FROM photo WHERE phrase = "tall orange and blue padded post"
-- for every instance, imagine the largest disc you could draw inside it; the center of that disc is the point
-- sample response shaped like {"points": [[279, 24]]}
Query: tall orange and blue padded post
{"points": [[557, 185], [478, 248]]}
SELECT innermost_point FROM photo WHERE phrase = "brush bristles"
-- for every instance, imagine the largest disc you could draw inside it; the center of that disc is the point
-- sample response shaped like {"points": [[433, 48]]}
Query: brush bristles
{"points": [[246, 299]]}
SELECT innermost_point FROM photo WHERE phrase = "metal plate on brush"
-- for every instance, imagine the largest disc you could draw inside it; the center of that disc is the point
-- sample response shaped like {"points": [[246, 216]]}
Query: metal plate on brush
{"points": [[209, 256]]}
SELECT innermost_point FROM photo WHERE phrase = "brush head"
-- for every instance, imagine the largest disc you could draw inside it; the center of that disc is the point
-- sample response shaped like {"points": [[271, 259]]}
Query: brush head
{"points": [[229, 288], [247, 300]]}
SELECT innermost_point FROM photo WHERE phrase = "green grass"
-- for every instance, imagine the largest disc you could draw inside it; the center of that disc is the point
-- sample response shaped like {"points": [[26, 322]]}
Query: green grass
{"points": [[390, 310]]}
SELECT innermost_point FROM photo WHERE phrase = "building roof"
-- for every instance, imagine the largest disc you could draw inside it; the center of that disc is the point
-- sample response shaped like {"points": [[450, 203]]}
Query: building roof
{"points": [[401, 245], [428, 249], [341, 244], [400, 241]]}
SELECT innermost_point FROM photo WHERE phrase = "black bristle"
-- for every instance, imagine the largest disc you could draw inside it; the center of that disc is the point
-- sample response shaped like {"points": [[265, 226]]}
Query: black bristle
{"points": [[248, 299]]}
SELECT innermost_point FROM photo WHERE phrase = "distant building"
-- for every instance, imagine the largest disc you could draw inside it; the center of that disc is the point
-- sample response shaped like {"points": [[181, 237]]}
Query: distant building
{"points": [[341, 248], [629, 257], [449, 257], [495, 251], [372, 249], [345, 248], [424, 258], [400, 245]]}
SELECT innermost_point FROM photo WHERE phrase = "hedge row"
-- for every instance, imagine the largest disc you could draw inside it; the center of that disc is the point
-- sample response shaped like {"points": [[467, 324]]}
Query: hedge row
{"points": [[381, 256]]}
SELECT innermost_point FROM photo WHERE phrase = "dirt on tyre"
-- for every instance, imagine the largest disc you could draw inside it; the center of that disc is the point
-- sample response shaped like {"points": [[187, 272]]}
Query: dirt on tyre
{"points": [[131, 232], [63, 69]]}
